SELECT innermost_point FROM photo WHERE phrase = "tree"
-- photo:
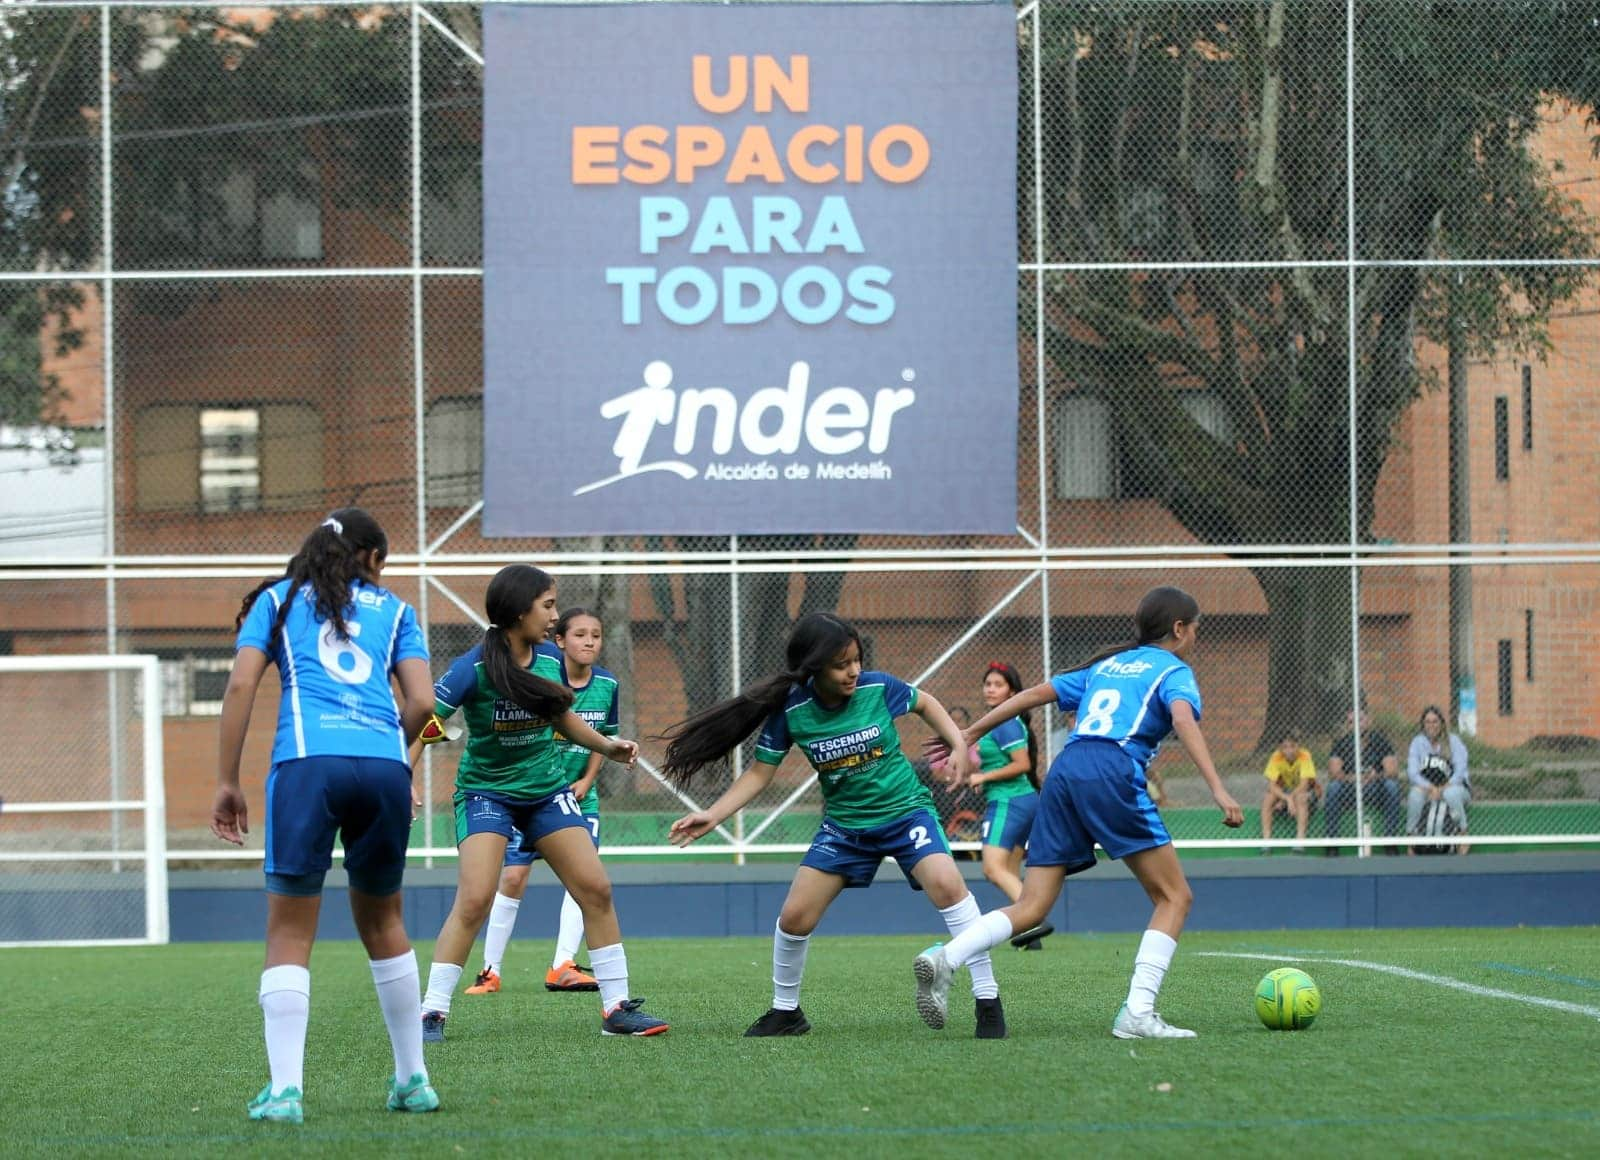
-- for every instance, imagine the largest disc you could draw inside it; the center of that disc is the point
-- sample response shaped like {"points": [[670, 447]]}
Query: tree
{"points": [[205, 103], [1219, 132]]}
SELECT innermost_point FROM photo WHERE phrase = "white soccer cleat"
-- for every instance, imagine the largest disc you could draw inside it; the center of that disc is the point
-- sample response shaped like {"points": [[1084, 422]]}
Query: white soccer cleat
{"points": [[933, 971], [1150, 1026]]}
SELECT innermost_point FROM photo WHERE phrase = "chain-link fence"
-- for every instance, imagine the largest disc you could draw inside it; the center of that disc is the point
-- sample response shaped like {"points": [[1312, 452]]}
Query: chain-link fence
{"points": [[1305, 326]]}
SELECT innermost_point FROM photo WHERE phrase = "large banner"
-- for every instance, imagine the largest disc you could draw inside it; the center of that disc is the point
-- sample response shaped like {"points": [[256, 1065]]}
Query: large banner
{"points": [[750, 268]]}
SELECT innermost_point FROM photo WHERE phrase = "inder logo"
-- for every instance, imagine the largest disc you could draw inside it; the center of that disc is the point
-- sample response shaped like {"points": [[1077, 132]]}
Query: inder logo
{"points": [[773, 421]]}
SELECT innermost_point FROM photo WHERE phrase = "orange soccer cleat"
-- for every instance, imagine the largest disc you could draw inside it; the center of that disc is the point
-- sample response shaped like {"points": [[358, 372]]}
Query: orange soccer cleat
{"points": [[488, 982], [567, 977]]}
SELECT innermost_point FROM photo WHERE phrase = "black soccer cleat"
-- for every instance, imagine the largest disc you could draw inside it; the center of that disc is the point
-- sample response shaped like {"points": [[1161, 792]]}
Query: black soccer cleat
{"points": [[776, 1022], [1033, 934], [991, 1019]]}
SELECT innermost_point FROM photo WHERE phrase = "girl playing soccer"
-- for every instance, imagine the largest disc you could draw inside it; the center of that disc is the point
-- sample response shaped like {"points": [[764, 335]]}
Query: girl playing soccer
{"points": [[509, 783], [873, 805], [1006, 759], [338, 764], [1126, 700], [594, 689]]}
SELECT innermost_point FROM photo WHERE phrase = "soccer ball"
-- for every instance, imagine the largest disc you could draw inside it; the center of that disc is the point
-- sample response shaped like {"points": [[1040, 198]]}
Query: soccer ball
{"points": [[1287, 999]]}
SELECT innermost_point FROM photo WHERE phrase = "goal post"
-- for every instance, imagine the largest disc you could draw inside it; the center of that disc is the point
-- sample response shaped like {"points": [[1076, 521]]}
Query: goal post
{"points": [[67, 874]]}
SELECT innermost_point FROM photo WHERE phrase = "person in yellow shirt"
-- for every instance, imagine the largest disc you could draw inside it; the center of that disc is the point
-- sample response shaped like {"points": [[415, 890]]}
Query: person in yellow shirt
{"points": [[1291, 780]]}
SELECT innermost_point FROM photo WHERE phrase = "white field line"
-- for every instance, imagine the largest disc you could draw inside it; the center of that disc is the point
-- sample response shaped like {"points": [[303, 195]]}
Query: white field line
{"points": [[1421, 977]]}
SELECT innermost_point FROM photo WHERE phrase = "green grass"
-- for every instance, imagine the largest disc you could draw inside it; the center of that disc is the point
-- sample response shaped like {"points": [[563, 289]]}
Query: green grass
{"points": [[155, 1051]]}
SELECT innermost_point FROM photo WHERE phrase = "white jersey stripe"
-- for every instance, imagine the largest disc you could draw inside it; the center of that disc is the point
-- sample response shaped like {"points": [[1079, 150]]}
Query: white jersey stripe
{"points": [[1144, 706]]}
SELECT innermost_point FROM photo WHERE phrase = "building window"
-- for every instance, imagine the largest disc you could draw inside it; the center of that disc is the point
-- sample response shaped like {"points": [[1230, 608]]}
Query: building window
{"points": [[1527, 644], [218, 459], [1086, 452], [453, 435], [233, 220], [1206, 408], [192, 682], [1502, 438], [1527, 407], [230, 460], [1503, 678]]}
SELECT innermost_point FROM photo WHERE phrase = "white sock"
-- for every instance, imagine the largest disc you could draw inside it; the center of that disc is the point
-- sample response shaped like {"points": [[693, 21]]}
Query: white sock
{"points": [[788, 965], [986, 931], [442, 980], [502, 917], [958, 918], [1149, 968], [610, 967], [286, 1009], [396, 981], [570, 932]]}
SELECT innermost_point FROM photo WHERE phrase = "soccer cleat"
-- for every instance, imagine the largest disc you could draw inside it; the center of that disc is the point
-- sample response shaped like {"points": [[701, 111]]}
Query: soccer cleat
{"points": [[1150, 1026], [933, 973], [416, 1096], [991, 1019], [285, 1107], [1025, 940], [488, 982], [776, 1022], [626, 1018], [567, 977], [433, 1026]]}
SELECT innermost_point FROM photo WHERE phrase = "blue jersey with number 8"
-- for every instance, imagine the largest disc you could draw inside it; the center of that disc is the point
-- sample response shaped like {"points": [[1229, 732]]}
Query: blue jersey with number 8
{"points": [[336, 696], [1127, 698]]}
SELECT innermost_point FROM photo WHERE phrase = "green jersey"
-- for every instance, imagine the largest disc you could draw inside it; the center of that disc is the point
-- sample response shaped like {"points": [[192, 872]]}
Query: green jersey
{"points": [[509, 752], [995, 751], [596, 703], [866, 780]]}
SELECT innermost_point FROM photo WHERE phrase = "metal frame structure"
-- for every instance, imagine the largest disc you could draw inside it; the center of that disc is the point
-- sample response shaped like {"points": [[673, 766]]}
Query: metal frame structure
{"points": [[435, 566]]}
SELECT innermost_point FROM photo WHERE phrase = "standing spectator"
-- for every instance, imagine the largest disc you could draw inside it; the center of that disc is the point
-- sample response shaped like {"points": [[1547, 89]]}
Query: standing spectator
{"points": [[1380, 791], [1291, 780], [1436, 767]]}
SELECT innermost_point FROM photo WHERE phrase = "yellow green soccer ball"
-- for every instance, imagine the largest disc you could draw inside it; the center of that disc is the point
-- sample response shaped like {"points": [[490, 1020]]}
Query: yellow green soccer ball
{"points": [[1287, 999]]}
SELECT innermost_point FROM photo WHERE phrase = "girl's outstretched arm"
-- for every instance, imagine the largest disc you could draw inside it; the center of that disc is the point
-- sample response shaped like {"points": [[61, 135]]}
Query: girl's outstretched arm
{"points": [[1194, 742], [935, 714], [700, 823], [1013, 706], [575, 728]]}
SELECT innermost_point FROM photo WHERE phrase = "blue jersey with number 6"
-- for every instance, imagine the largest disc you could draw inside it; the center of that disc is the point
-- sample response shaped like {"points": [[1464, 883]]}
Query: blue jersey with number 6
{"points": [[336, 696], [1127, 698]]}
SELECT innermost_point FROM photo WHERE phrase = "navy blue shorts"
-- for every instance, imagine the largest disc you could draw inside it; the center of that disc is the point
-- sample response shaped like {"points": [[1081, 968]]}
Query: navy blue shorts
{"points": [[1093, 793], [366, 801], [1008, 821], [521, 822], [520, 852], [855, 855]]}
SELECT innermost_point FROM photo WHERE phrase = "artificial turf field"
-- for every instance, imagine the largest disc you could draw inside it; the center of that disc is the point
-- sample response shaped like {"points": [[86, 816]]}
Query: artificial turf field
{"points": [[122, 1051]]}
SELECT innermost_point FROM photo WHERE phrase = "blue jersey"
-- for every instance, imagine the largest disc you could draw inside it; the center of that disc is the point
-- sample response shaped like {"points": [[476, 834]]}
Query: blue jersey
{"points": [[1127, 698], [336, 696]]}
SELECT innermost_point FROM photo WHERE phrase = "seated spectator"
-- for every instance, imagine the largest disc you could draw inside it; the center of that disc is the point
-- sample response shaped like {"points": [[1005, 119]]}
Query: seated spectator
{"points": [[1436, 766], [1380, 791], [1291, 780]]}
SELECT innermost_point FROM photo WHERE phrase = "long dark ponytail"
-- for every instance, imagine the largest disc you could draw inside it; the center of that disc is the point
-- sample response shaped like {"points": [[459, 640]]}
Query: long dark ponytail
{"points": [[511, 593], [1158, 611], [329, 560], [711, 734], [1014, 683]]}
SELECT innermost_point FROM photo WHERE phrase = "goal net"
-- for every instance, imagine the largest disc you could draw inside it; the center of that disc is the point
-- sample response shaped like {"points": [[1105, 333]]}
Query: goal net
{"points": [[83, 848]]}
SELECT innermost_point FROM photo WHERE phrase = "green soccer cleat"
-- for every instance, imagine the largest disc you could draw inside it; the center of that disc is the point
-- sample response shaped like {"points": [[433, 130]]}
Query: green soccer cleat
{"points": [[285, 1107], [416, 1096], [933, 973]]}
